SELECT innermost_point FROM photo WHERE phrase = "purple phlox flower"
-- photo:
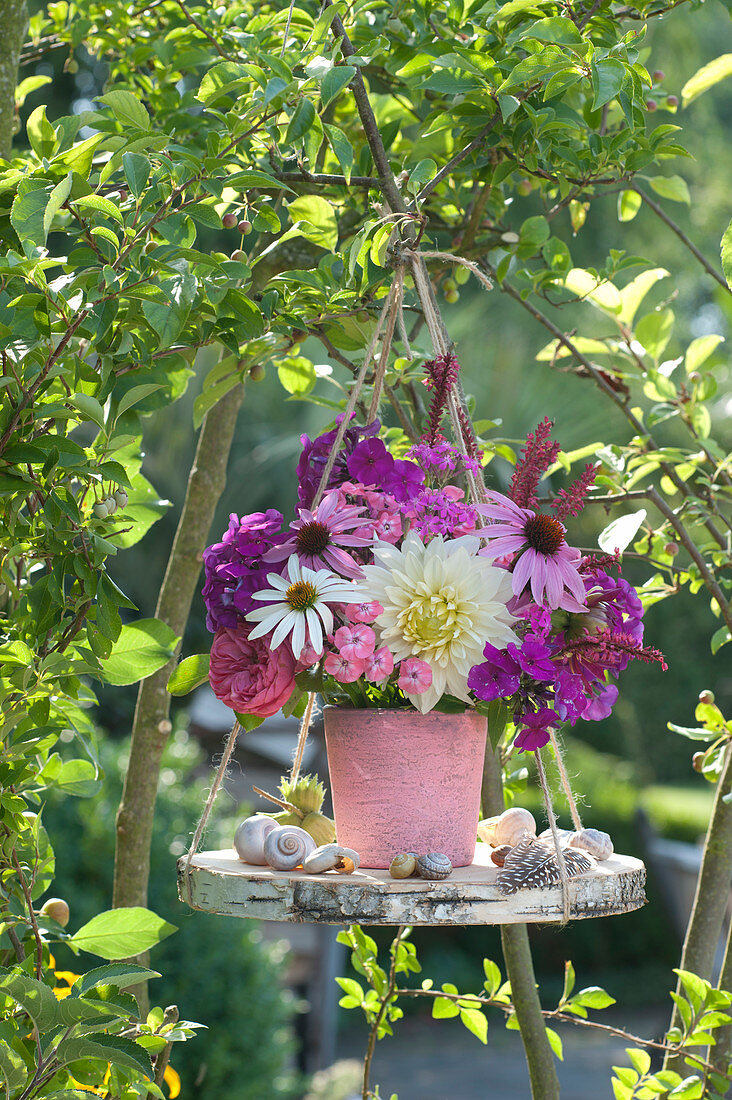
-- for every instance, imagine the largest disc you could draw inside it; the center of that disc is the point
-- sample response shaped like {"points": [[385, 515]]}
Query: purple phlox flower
{"points": [[318, 537], [498, 677], [439, 459], [534, 732], [441, 512], [404, 481], [533, 658], [370, 463], [600, 704], [545, 562], [570, 696], [234, 568], [570, 502], [315, 454], [538, 454]]}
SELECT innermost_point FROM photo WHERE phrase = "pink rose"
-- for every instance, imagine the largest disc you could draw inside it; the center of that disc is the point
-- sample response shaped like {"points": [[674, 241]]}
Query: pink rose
{"points": [[247, 675]]}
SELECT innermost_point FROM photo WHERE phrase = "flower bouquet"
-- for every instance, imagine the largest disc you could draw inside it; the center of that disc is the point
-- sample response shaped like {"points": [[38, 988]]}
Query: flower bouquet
{"points": [[394, 592]]}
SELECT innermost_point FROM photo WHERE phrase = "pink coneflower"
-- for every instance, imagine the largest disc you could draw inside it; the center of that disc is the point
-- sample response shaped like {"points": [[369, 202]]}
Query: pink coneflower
{"points": [[415, 676], [379, 666], [342, 669], [355, 643], [542, 559], [319, 537]]}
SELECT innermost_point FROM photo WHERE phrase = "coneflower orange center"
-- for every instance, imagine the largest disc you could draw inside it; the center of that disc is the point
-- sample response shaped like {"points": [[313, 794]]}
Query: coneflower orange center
{"points": [[312, 538], [301, 595], [544, 534]]}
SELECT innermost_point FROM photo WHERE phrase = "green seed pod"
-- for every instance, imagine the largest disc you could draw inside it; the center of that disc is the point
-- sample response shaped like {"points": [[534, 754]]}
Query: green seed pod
{"points": [[320, 827]]}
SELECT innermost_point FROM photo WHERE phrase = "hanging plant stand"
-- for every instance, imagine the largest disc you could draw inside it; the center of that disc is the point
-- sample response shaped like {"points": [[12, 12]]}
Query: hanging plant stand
{"points": [[220, 883]]}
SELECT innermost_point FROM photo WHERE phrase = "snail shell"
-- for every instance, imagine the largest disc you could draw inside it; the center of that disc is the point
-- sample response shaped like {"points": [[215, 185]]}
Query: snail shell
{"points": [[594, 841], [287, 846], [331, 857], [565, 835], [250, 836], [498, 855], [433, 866], [403, 866], [511, 825]]}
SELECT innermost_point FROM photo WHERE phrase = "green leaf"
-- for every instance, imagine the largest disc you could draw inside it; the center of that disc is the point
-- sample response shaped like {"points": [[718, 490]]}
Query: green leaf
{"points": [[79, 778], [317, 220], [654, 330], [248, 721], [142, 648], [135, 395], [726, 253], [607, 80], [474, 1020], [101, 204], [719, 638], [555, 1043], [296, 375], [422, 173], [120, 975], [36, 998], [640, 1059], [629, 203], [673, 188], [105, 1048], [127, 109], [29, 85], [89, 407], [41, 133], [190, 673], [342, 148], [706, 77], [169, 315], [594, 997], [56, 200], [621, 531], [699, 351], [444, 1009], [121, 933], [301, 121], [334, 81], [28, 210], [136, 168], [635, 291]]}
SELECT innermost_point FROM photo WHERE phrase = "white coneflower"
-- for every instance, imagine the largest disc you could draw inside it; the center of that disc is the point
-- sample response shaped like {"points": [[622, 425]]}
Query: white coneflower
{"points": [[298, 604], [442, 603]]}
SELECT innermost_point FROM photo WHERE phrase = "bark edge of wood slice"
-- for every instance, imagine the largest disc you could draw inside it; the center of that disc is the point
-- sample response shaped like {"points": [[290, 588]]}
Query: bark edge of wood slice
{"points": [[220, 883]]}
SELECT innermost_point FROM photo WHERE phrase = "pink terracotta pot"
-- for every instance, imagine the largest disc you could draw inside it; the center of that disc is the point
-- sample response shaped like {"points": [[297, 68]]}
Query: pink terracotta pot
{"points": [[405, 782]]}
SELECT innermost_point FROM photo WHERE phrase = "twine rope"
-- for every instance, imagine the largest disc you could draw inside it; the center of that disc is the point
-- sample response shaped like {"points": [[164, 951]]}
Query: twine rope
{"points": [[563, 876], [566, 785], [302, 738], [218, 780], [394, 311]]}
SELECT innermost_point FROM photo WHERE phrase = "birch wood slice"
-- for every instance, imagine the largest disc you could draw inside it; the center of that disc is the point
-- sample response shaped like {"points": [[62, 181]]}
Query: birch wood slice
{"points": [[220, 883]]}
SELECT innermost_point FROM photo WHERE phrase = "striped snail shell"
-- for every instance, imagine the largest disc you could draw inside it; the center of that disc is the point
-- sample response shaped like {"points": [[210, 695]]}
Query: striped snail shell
{"points": [[594, 841], [433, 866], [403, 865], [287, 846], [511, 825], [498, 855], [249, 838]]}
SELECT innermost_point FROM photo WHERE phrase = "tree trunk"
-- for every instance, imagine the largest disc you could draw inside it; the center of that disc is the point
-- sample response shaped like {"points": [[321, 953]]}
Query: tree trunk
{"points": [[13, 23], [520, 966], [151, 725], [712, 894]]}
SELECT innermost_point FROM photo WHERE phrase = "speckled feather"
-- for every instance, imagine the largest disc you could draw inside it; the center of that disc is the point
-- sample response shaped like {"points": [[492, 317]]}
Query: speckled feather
{"points": [[533, 863]]}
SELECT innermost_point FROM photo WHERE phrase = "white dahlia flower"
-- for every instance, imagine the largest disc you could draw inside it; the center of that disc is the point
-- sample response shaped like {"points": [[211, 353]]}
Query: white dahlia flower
{"points": [[442, 603]]}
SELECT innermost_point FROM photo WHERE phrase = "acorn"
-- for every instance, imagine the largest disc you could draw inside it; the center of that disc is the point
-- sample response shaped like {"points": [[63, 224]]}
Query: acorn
{"points": [[320, 827], [56, 909]]}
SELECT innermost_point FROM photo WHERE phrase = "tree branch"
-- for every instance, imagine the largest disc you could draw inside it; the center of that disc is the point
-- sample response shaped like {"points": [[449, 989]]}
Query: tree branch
{"points": [[661, 213]]}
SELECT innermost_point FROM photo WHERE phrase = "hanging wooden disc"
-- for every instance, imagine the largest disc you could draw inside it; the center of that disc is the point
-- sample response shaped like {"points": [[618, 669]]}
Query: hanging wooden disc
{"points": [[220, 883]]}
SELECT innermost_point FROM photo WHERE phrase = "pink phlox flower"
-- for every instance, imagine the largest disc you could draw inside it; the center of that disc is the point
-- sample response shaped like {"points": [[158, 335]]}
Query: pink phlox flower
{"points": [[544, 563], [355, 643], [318, 537], [388, 527], [415, 676], [342, 669], [570, 502], [366, 612], [538, 454], [379, 666], [308, 656]]}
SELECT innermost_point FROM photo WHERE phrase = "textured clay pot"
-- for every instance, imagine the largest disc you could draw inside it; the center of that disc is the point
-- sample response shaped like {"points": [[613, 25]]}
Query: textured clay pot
{"points": [[405, 782]]}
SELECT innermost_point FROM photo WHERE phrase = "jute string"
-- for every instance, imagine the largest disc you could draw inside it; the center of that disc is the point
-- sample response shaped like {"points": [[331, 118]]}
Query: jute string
{"points": [[564, 778], [563, 876], [218, 779]]}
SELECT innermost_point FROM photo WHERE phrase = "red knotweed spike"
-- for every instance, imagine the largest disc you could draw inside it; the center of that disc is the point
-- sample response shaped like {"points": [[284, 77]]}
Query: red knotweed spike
{"points": [[538, 454], [570, 502]]}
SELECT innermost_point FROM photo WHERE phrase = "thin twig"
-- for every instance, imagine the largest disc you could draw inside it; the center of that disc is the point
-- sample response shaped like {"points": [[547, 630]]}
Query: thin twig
{"points": [[385, 1001], [207, 34], [461, 155], [661, 213]]}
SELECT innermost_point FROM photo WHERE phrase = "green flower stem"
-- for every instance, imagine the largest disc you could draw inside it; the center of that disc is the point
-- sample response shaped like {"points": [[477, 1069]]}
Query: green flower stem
{"points": [[519, 964]]}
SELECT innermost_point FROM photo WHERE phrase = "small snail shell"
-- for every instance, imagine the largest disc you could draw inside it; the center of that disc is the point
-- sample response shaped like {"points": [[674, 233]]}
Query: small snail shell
{"points": [[287, 846], [511, 824], [594, 841], [249, 838], [434, 865], [331, 857], [486, 830], [498, 855], [403, 866]]}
